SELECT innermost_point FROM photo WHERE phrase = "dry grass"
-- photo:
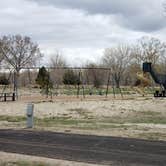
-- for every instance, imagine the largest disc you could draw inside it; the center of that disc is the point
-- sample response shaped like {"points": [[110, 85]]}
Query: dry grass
{"points": [[125, 117]]}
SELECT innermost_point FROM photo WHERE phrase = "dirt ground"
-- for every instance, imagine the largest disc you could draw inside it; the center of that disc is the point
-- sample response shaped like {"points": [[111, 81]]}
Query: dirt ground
{"points": [[140, 117], [134, 117], [98, 107]]}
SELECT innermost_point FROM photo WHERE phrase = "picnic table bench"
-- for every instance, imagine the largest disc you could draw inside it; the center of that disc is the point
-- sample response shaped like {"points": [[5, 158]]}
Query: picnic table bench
{"points": [[7, 97]]}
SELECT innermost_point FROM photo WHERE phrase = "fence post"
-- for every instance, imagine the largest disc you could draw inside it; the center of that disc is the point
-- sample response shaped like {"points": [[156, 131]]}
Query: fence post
{"points": [[13, 97], [4, 96]]}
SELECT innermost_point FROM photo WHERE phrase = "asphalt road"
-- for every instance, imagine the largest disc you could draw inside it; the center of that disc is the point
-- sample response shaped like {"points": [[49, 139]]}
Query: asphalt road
{"points": [[84, 148]]}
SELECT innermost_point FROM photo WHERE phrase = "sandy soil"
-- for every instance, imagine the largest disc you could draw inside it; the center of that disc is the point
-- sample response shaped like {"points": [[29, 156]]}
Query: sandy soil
{"points": [[97, 108]]}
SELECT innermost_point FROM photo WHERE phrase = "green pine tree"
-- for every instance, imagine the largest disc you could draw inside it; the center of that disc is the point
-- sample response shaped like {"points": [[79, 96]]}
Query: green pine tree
{"points": [[43, 79]]}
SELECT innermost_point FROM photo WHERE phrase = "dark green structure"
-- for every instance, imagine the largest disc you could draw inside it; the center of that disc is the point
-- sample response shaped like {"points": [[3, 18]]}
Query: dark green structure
{"points": [[158, 78]]}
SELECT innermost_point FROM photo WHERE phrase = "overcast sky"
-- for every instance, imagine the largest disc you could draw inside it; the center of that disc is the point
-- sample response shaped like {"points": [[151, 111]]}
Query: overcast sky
{"points": [[81, 29]]}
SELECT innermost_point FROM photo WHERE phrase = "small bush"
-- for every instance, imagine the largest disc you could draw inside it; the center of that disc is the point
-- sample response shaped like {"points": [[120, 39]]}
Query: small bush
{"points": [[70, 78], [4, 80]]}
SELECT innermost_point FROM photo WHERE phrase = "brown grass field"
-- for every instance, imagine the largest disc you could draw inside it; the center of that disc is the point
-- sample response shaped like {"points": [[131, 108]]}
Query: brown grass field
{"points": [[132, 116]]}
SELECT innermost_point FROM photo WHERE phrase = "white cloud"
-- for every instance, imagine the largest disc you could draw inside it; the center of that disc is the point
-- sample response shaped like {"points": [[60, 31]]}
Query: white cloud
{"points": [[134, 14], [82, 29]]}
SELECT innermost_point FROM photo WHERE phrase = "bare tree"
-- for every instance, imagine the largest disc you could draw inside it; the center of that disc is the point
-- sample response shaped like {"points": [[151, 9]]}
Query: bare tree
{"points": [[151, 49], [1, 58], [136, 54], [19, 52], [57, 60], [117, 59], [95, 76]]}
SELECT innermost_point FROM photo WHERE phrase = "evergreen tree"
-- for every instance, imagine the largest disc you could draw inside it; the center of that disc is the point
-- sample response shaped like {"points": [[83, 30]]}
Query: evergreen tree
{"points": [[43, 79]]}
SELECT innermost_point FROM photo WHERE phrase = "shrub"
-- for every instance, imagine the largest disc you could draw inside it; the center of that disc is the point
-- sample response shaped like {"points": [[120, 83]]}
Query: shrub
{"points": [[4, 80], [70, 78]]}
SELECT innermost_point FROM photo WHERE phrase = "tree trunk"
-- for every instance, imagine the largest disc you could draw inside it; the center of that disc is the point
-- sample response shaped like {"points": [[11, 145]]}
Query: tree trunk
{"points": [[16, 80], [117, 80]]}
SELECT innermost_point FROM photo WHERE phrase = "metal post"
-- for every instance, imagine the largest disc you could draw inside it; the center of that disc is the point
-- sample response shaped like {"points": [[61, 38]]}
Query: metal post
{"points": [[13, 97], [5, 97], [78, 85], [30, 108]]}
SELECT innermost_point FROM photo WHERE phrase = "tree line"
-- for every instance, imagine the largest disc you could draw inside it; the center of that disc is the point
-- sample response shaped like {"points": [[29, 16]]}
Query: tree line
{"points": [[123, 60]]}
